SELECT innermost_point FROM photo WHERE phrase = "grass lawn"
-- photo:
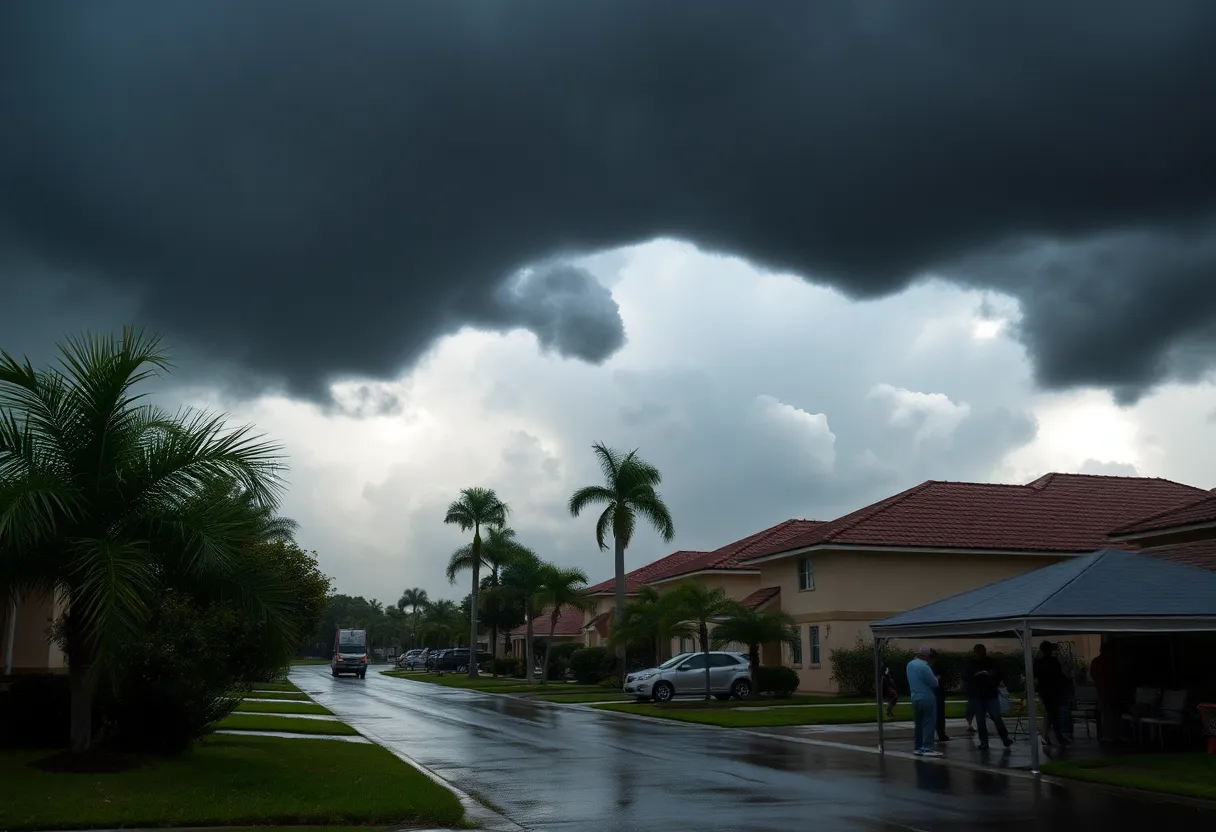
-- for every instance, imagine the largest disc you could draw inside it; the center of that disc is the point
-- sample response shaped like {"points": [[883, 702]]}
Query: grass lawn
{"points": [[490, 684], [1189, 775], [282, 708], [227, 780], [741, 718], [283, 686], [308, 662], [265, 722], [277, 695]]}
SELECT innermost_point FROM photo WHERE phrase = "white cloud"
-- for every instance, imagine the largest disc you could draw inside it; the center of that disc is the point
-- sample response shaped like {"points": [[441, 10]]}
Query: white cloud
{"points": [[805, 439], [930, 416]]}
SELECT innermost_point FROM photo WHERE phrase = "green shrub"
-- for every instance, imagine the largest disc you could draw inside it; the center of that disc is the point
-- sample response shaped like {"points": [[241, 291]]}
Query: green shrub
{"points": [[591, 664], [777, 680], [506, 666], [853, 668], [559, 659], [36, 711]]}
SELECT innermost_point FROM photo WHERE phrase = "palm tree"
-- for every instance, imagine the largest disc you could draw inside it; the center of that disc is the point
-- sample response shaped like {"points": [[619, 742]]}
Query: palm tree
{"points": [[560, 588], [754, 628], [525, 578], [650, 619], [415, 600], [442, 620], [106, 499], [476, 508], [628, 491], [696, 607], [499, 549]]}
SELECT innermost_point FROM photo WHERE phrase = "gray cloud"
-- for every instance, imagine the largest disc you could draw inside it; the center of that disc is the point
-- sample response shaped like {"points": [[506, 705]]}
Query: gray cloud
{"points": [[1109, 469], [309, 191], [569, 311]]}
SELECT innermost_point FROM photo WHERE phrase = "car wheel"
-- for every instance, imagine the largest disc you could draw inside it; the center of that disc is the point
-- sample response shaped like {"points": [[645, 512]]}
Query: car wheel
{"points": [[334, 673], [741, 689], [663, 692], [464, 668], [363, 675]]}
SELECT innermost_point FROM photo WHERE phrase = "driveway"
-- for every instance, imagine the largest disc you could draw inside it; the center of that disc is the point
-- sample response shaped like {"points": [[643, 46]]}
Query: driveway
{"points": [[550, 767]]}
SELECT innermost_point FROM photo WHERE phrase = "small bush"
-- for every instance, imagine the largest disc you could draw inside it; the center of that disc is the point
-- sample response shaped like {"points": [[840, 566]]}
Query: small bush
{"points": [[559, 659], [506, 666], [853, 668], [36, 711], [591, 664], [777, 680]]}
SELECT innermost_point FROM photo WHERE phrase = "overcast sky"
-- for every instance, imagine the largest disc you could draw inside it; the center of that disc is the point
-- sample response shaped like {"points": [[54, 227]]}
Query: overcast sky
{"points": [[802, 255]]}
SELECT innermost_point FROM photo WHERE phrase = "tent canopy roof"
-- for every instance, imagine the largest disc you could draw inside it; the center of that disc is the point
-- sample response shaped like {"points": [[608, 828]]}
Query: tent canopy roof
{"points": [[1109, 591]]}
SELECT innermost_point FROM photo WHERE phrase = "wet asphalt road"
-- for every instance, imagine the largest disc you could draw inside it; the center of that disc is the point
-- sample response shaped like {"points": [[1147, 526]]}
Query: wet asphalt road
{"points": [[561, 768]]}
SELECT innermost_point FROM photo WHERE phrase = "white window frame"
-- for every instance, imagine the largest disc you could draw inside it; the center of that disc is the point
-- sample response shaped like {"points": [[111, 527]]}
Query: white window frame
{"points": [[806, 575], [813, 643]]}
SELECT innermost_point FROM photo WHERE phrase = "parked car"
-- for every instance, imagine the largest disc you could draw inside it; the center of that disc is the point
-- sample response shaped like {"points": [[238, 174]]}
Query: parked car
{"points": [[412, 659], [684, 675], [456, 660]]}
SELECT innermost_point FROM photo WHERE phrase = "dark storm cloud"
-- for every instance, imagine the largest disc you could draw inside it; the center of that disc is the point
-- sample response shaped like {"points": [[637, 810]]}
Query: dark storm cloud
{"points": [[311, 189]]}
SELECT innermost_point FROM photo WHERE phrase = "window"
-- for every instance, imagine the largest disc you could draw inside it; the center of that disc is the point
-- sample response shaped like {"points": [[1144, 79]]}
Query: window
{"points": [[814, 645], [723, 660], [684, 645], [695, 663], [796, 647], [806, 574]]}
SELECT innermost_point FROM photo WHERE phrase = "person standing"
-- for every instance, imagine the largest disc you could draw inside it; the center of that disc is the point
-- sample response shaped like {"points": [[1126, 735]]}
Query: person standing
{"points": [[922, 684], [1106, 682], [982, 677], [889, 691], [1051, 684], [939, 697]]}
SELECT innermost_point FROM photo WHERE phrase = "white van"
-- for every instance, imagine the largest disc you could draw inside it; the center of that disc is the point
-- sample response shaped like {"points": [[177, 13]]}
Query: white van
{"points": [[350, 653]]}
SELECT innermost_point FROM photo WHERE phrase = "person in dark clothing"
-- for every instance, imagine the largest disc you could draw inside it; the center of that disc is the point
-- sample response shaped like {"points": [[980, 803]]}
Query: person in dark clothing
{"points": [[889, 692], [940, 692], [1052, 685], [982, 678]]}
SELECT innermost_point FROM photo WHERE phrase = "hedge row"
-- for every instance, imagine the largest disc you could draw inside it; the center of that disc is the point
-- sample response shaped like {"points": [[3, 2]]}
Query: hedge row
{"points": [[853, 668]]}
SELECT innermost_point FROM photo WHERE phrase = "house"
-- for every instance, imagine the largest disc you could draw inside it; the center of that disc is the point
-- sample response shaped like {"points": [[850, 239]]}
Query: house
{"points": [[935, 540], [25, 642], [568, 630], [1185, 535], [724, 567]]}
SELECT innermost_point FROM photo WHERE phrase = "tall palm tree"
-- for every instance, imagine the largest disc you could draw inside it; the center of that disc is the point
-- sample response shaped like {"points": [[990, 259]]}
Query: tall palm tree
{"points": [[754, 628], [696, 607], [649, 618], [498, 549], [525, 578], [561, 588], [476, 509], [415, 600], [104, 498], [628, 491]]}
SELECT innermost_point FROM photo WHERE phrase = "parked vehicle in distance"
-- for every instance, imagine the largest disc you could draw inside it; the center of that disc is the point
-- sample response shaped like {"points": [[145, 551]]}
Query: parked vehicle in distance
{"points": [[455, 659], [684, 675], [412, 659], [350, 653]]}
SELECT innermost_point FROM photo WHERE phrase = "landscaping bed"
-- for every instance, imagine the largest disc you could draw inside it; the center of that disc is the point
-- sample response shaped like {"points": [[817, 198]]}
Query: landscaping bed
{"points": [[739, 715], [282, 708], [227, 780], [1188, 775], [267, 722]]}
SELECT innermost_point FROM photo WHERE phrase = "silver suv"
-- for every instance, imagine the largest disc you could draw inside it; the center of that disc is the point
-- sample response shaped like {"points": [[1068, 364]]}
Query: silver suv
{"points": [[684, 675]]}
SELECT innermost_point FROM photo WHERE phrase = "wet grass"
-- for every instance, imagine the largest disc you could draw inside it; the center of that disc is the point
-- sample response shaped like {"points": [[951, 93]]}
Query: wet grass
{"points": [[735, 717], [267, 722], [308, 662], [282, 708], [1187, 775], [229, 780], [278, 695], [282, 685]]}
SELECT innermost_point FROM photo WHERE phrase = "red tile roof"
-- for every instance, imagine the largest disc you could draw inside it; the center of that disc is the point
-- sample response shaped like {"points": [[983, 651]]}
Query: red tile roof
{"points": [[1202, 510], [1055, 513], [761, 597], [569, 623], [643, 574], [1200, 553]]}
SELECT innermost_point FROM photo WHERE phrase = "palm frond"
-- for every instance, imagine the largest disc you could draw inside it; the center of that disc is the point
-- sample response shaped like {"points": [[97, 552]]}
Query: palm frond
{"points": [[462, 559], [652, 507], [609, 461], [604, 525], [589, 496]]}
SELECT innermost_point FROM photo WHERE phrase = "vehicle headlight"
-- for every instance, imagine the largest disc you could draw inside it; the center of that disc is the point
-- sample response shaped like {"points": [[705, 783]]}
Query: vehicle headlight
{"points": [[642, 677]]}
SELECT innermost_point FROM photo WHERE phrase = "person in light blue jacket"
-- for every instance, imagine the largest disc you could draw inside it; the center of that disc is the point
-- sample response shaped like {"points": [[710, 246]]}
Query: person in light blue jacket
{"points": [[922, 682]]}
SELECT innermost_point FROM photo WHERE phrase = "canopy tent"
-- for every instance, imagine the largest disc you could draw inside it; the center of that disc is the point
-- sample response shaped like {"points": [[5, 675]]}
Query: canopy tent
{"points": [[1109, 591]]}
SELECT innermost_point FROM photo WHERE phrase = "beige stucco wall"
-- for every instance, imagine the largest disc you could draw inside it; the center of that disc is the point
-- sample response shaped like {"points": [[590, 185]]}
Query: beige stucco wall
{"points": [[853, 588], [32, 647]]}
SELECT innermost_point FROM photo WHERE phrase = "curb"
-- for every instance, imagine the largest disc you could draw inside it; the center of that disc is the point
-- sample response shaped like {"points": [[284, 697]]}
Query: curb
{"points": [[478, 813]]}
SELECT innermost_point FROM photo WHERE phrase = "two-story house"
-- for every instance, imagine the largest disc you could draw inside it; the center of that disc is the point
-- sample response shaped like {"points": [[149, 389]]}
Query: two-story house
{"points": [[939, 539]]}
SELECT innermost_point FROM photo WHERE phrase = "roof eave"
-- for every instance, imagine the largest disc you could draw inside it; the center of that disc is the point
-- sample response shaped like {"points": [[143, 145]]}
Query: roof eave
{"points": [[1163, 531], [1048, 625], [914, 550], [719, 571]]}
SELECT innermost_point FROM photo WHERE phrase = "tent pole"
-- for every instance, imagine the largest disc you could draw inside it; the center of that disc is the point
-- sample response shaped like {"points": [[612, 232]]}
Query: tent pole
{"points": [[1032, 708], [878, 694]]}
